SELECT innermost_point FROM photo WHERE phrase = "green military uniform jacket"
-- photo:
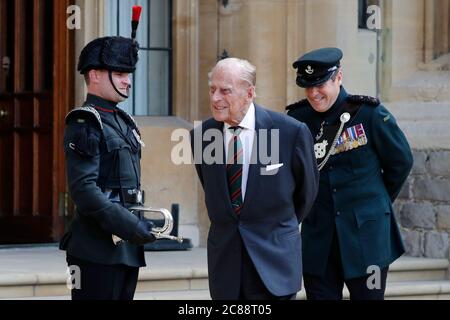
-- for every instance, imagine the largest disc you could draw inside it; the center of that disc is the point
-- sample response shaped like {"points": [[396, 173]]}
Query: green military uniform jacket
{"points": [[358, 185]]}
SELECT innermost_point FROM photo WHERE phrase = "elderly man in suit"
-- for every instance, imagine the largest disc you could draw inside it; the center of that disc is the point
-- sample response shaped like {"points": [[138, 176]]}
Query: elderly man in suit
{"points": [[255, 203]]}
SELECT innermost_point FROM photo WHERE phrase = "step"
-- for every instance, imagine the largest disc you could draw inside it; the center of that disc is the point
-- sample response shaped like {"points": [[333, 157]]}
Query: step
{"points": [[152, 295], [414, 290], [28, 287], [167, 281], [426, 127], [425, 124], [425, 86], [40, 274], [418, 290], [440, 64], [419, 111], [427, 134], [165, 271], [418, 269], [404, 290]]}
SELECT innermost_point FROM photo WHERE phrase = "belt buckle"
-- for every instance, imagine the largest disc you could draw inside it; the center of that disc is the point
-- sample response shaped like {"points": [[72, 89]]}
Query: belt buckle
{"points": [[136, 195]]}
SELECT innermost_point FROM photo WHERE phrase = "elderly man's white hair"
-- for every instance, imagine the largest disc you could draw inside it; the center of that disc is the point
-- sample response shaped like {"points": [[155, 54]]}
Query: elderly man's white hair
{"points": [[246, 71]]}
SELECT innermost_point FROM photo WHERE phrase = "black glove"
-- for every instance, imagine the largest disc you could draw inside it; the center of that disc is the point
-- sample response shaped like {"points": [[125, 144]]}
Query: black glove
{"points": [[142, 233]]}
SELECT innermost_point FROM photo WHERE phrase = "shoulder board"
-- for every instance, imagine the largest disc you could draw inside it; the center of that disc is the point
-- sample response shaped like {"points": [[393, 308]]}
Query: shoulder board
{"points": [[359, 99], [86, 110], [298, 104], [129, 118]]}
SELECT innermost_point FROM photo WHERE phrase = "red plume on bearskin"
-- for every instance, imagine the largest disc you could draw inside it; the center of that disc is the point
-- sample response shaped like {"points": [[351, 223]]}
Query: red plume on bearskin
{"points": [[136, 13], [135, 20]]}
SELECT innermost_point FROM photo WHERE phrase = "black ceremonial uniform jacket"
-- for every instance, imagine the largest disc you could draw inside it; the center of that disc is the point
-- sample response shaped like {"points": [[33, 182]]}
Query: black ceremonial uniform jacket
{"points": [[103, 150], [357, 186]]}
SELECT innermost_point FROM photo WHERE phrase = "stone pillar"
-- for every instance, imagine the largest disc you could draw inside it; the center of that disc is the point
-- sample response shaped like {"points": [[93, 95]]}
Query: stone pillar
{"points": [[208, 52], [92, 26], [406, 25], [295, 46], [189, 104], [166, 182], [255, 30], [185, 59], [267, 50], [429, 31]]}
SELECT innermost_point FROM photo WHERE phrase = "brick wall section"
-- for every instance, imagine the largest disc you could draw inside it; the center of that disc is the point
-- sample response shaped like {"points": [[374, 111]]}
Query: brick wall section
{"points": [[423, 206]]}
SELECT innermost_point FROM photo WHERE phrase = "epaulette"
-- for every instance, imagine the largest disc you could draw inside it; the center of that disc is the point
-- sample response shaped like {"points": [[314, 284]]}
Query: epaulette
{"points": [[86, 110], [359, 99], [298, 104]]}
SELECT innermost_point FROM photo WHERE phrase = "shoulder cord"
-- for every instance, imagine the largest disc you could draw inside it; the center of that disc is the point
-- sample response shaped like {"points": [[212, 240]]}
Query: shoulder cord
{"points": [[344, 120]]}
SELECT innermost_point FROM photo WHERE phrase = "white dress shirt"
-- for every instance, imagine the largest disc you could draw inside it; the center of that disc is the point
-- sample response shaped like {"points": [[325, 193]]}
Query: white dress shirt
{"points": [[247, 136]]}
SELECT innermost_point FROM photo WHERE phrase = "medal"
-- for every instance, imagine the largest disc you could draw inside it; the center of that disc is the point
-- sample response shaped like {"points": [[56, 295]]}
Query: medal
{"points": [[345, 117], [320, 149], [352, 138]]}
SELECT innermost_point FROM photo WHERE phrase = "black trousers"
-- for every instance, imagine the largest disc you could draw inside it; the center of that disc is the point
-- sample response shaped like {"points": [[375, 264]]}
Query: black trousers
{"points": [[252, 287], [330, 286], [103, 282]]}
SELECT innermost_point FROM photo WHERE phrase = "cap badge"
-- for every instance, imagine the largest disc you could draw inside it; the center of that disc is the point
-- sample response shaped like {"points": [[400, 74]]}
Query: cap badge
{"points": [[309, 70]]}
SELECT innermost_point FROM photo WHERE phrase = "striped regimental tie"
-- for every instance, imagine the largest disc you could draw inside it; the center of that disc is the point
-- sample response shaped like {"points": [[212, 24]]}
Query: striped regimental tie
{"points": [[234, 169]]}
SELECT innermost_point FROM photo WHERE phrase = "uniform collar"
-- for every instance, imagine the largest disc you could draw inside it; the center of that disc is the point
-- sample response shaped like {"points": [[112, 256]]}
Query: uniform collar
{"points": [[100, 103], [334, 112]]}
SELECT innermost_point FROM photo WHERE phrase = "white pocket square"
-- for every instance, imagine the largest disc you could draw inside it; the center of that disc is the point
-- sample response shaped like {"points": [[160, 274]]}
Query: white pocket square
{"points": [[274, 166], [271, 169]]}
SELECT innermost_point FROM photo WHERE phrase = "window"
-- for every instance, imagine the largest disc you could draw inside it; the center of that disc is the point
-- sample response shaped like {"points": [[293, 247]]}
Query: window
{"points": [[151, 91]]}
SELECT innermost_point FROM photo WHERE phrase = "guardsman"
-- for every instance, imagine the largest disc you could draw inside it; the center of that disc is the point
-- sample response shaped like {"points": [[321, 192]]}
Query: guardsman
{"points": [[102, 146], [351, 235]]}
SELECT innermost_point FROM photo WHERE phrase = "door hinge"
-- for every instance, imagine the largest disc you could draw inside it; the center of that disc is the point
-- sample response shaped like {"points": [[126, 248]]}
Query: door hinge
{"points": [[6, 64]]}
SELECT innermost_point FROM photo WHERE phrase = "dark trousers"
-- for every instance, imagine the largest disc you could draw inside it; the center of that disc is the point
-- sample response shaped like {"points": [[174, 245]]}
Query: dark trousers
{"points": [[252, 287], [103, 282], [330, 286]]}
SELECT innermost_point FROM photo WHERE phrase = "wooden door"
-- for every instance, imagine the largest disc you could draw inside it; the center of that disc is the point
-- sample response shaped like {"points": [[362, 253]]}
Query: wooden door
{"points": [[33, 58]]}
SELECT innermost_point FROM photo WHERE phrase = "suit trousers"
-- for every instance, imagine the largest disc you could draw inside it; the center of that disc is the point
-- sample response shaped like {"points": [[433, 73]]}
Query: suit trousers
{"points": [[104, 282], [330, 286], [252, 286]]}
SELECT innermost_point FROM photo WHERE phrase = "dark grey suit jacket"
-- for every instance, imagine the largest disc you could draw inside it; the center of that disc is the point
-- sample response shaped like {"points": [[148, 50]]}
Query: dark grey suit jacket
{"points": [[273, 208]]}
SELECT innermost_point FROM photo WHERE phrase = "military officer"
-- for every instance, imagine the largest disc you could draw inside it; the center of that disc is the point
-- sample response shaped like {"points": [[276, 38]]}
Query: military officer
{"points": [[351, 235], [102, 146]]}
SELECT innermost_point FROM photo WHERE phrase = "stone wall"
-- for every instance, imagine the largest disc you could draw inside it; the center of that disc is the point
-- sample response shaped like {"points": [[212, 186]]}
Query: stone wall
{"points": [[423, 206]]}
